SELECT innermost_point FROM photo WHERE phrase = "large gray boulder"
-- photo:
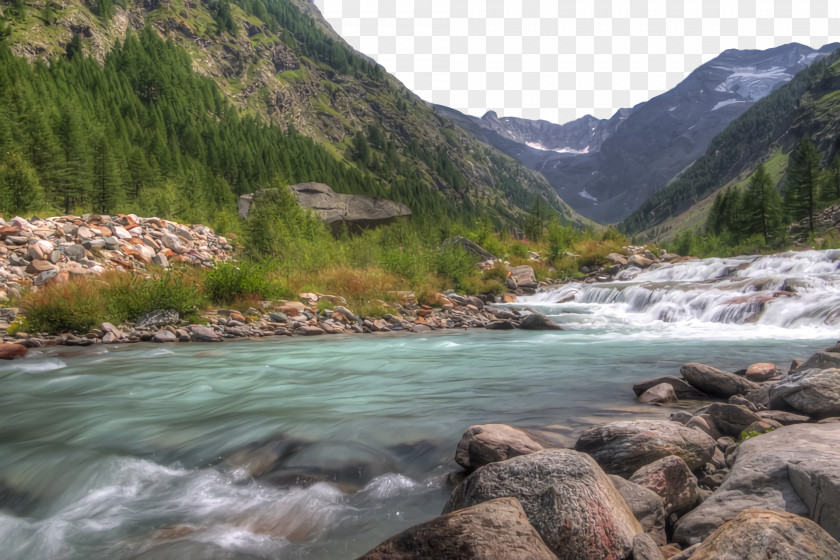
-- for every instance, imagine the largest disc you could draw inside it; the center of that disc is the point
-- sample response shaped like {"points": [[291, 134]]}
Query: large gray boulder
{"points": [[486, 531], [759, 534], [731, 419], [761, 478], [815, 392], [490, 443], [715, 382], [646, 505], [567, 497], [334, 209], [820, 360], [624, 447]]}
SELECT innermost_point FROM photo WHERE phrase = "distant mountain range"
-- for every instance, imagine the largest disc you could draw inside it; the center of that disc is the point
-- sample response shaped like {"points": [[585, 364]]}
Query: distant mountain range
{"points": [[606, 168]]}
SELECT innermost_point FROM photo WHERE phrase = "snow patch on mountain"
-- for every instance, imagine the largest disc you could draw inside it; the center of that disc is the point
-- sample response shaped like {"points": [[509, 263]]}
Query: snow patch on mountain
{"points": [[538, 146], [748, 82], [728, 102]]}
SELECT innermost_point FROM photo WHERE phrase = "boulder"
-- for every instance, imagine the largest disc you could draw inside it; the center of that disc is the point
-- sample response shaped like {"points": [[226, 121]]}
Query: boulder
{"points": [[760, 427], [204, 334], [11, 351], [731, 419], [820, 360], [815, 392], [538, 322], [337, 210], [486, 531], [817, 482], [715, 382], [500, 325], [760, 372], [524, 276], [672, 481], [640, 261], [624, 447], [682, 389], [759, 534], [644, 548], [646, 505], [659, 394], [309, 330], [616, 258], [490, 443], [165, 336], [782, 417], [567, 497], [158, 318], [38, 266], [760, 478]]}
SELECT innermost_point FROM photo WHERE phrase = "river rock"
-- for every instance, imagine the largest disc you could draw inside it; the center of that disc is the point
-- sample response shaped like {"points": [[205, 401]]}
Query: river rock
{"points": [[500, 325], [815, 392], [624, 447], [640, 261], [487, 531], [760, 477], [760, 534], [644, 548], [204, 334], [538, 322], [523, 276], [715, 382], [164, 335], [820, 360], [646, 505], [11, 351], [682, 389], [309, 330], [567, 497], [731, 419], [490, 443], [158, 318], [659, 394], [782, 417], [817, 482], [38, 266], [760, 372], [672, 481]]}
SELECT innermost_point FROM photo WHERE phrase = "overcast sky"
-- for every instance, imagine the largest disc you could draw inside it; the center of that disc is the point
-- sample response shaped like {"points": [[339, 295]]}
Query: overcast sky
{"points": [[561, 59]]}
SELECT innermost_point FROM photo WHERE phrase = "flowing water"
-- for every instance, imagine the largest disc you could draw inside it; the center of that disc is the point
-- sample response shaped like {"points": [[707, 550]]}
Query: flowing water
{"points": [[302, 448]]}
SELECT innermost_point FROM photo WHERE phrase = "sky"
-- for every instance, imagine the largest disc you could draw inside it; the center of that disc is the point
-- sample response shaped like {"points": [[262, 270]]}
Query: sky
{"points": [[561, 59]]}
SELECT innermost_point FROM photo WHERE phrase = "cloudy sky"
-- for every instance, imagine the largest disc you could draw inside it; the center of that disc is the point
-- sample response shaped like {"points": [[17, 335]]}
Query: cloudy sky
{"points": [[561, 59]]}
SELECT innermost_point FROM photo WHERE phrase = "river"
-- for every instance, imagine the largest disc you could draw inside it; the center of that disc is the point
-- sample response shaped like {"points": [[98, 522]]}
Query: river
{"points": [[124, 452]]}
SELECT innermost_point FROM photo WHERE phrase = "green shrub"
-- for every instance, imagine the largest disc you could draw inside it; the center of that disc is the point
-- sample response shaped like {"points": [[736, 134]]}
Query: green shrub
{"points": [[75, 306], [129, 297], [229, 282]]}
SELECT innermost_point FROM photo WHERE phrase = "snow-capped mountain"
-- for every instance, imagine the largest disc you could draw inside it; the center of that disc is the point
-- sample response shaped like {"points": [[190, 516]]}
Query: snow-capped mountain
{"points": [[606, 168]]}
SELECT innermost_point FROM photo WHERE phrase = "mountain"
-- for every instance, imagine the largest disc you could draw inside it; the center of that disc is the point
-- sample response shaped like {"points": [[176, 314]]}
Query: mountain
{"points": [[281, 68], [605, 169], [806, 107]]}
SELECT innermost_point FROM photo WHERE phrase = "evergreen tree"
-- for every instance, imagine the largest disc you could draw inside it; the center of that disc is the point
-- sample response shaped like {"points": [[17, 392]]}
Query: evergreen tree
{"points": [[802, 185], [361, 149], [73, 183], [762, 207], [535, 221], [20, 190], [830, 188], [107, 187]]}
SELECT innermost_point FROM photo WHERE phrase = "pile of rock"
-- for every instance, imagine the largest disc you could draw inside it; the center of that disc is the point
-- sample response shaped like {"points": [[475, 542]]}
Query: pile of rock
{"points": [[42, 251], [629, 264], [757, 476]]}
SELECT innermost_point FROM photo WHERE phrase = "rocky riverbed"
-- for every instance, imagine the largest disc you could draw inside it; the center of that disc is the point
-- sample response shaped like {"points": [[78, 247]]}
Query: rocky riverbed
{"points": [[755, 473]]}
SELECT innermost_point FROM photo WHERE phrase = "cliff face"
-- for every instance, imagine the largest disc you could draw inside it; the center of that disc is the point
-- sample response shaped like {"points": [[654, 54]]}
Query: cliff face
{"points": [[279, 60]]}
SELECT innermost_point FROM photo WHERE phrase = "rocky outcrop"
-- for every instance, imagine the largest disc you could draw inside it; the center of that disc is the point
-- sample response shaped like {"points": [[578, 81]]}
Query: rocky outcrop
{"points": [[815, 392], [486, 531], [567, 497], [760, 478], [758, 534], [490, 443], [624, 447], [715, 382], [337, 210]]}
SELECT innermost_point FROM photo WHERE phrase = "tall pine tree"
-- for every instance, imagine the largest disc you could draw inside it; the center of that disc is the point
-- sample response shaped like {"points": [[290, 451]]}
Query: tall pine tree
{"points": [[802, 185], [762, 207]]}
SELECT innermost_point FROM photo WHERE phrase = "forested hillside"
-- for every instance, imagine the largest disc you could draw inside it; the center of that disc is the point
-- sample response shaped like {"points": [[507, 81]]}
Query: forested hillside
{"points": [[807, 107], [176, 108]]}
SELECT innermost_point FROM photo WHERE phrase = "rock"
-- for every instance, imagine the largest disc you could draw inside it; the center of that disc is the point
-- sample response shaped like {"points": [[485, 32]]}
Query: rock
{"points": [[624, 447], [160, 260], [478, 251], [715, 382], [490, 443], [760, 477], [644, 548], [731, 419], [743, 401], [640, 261], [158, 318], [782, 417], [760, 534], [659, 394], [568, 499], [760, 372], [487, 531], [646, 505], [669, 551], [73, 252], [682, 389], [277, 317], [672, 481], [538, 322], [38, 266], [817, 483], [10, 351], [308, 330], [616, 258], [523, 276], [759, 428], [815, 392], [500, 325], [164, 335], [820, 360], [204, 334]]}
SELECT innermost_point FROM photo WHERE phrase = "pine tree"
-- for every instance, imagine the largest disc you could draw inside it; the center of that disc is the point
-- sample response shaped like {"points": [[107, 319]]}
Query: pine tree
{"points": [[762, 206], [73, 183], [107, 187], [830, 188], [361, 149], [20, 190], [802, 185]]}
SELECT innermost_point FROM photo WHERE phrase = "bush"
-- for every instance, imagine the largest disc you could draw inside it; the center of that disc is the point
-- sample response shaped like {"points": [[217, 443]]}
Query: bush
{"points": [[75, 306], [457, 264], [229, 282], [130, 296]]}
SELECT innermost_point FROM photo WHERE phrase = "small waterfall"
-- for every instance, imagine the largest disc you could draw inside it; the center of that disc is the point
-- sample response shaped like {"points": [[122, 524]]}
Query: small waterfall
{"points": [[789, 290]]}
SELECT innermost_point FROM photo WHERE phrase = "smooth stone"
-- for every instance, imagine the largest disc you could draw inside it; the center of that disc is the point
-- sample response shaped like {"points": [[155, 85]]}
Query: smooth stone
{"points": [[782, 417], [760, 372], [490, 530], [682, 389], [820, 360], [490, 443], [624, 447], [815, 392], [659, 394], [204, 334], [164, 335], [731, 419], [10, 351], [715, 382], [538, 322]]}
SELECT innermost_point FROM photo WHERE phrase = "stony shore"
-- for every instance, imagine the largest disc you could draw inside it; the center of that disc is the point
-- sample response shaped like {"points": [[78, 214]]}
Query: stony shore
{"points": [[754, 474]]}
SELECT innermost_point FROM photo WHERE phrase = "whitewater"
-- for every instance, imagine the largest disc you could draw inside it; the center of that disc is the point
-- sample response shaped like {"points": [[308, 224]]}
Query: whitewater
{"points": [[300, 448]]}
